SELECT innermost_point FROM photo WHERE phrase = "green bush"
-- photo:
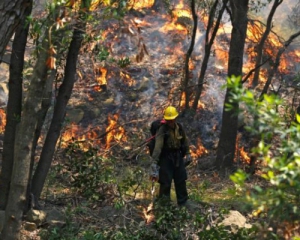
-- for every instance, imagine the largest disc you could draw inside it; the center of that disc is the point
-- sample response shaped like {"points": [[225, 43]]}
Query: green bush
{"points": [[278, 152], [90, 173]]}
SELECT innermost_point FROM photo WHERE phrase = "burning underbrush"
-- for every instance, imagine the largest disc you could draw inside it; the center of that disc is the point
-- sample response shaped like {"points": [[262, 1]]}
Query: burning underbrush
{"points": [[125, 79]]}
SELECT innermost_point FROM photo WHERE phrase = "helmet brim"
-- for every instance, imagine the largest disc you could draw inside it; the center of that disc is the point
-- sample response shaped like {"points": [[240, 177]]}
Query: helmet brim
{"points": [[171, 118]]}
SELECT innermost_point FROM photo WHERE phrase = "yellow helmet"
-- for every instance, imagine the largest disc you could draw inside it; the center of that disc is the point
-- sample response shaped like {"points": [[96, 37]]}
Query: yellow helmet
{"points": [[170, 113]]}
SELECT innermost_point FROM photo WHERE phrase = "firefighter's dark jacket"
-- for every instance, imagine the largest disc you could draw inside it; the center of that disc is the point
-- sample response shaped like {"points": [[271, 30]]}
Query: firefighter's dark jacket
{"points": [[168, 139]]}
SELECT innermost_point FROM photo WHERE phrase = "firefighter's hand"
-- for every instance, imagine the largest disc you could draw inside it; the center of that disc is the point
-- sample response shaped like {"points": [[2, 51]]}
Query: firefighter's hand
{"points": [[154, 172], [187, 160]]}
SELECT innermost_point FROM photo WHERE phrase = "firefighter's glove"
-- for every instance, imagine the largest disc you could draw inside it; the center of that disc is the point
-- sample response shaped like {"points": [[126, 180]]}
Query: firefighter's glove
{"points": [[154, 171], [187, 160]]}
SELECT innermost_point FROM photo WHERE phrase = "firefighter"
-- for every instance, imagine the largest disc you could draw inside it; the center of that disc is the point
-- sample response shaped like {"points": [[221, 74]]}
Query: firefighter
{"points": [[170, 157]]}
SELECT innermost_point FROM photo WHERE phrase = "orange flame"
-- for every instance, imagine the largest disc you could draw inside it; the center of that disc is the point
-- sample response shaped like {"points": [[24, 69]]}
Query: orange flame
{"points": [[126, 77], [182, 103], [148, 214], [244, 156], [114, 133], [74, 133], [179, 11], [102, 79], [136, 5], [2, 120], [70, 133], [199, 150]]}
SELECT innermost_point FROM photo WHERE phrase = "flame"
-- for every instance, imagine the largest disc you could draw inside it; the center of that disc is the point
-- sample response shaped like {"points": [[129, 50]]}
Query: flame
{"points": [[179, 11], [199, 150], [70, 133], [240, 154], [244, 156], [171, 26], [77, 133], [114, 133], [183, 99], [140, 4], [2, 120], [102, 79], [222, 57], [148, 214], [126, 77], [271, 47]]}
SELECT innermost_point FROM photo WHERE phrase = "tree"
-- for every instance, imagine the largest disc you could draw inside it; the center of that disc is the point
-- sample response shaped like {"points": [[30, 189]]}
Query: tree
{"points": [[23, 148], [14, 105], [63, 97], [11, 13], [227, 141], [261, 43], [210, 35], [185, 81], [27, 128], [278, 150]]}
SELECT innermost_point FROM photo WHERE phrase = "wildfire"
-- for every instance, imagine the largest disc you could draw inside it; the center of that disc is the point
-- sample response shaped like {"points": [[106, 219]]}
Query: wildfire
{"points": [[180, 11], [114, 133], [240, 154], [2, 120], [148, 214], [136, 5], [182, 102], [244, 156], [199, 150], [102, 79], [70, 133], [75, 132], [126, 77], [102, 82]]}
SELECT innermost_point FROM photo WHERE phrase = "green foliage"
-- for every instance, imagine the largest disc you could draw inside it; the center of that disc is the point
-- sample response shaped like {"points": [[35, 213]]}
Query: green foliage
{"points": [[88, 171], [279, 152], [177, 223], [58, 233], [123, 62], [102, 54], [257, 5]]}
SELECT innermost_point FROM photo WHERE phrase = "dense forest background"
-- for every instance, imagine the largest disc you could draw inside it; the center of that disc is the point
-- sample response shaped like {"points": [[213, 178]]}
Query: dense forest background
{"points": [[81, 82]]}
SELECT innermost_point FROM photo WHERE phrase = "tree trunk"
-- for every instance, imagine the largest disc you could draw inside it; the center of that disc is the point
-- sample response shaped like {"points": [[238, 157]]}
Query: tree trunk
{"points": [[63, 97], [11, 13], [46, 103], [208, 44], [185, 82], [13, 106], [260, 45], [256, 139], [276, 63], [23, 148], [227, 142]]}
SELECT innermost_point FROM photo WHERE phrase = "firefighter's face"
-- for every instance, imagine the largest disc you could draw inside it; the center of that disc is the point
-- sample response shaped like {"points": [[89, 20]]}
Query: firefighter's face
{"points": [[171, 123]]}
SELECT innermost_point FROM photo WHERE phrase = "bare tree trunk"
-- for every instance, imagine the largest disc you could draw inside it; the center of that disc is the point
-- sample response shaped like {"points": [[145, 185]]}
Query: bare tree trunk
{"points": [[23, 148], [260, 46], [46, 103], [256, 139], [227, 142], [63, 97], [14, 104], [185, 82], [276, 63], [11, 13], [208, 45]]}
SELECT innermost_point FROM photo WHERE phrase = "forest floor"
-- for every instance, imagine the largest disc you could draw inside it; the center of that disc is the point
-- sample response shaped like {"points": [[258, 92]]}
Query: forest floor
{"points": [[83, 215]]}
